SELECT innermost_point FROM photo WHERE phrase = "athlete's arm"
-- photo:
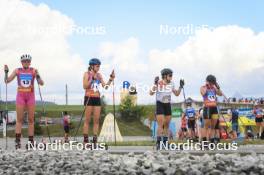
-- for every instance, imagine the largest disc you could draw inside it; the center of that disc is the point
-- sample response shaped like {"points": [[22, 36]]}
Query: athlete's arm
{"points": [[106, 85], [11, 77], [203, 90], [219, 92], [153, 90], [183, 115], [197, 116], [39, 79], [177, 92], [86, 81]]}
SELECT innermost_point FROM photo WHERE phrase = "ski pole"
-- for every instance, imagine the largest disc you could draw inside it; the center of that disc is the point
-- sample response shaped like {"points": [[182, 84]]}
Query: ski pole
{"points": [[114, 110], [83, 112], [43, 112], [6, 109], [155, 109]]}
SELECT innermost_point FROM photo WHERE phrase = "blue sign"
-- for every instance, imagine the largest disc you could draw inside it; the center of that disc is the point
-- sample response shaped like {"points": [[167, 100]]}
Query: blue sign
{"points": [[126, 85]]}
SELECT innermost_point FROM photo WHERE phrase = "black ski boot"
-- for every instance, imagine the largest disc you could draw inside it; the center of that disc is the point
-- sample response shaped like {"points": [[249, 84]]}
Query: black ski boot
{"points": [[94, 147], [86, 144], [18, 141], [158, 143]]}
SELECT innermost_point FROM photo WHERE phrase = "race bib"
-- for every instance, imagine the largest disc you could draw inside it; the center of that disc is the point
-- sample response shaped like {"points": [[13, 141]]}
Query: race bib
{"points": [[166, 99], [25, 80], [211, 96], [190, 115]]}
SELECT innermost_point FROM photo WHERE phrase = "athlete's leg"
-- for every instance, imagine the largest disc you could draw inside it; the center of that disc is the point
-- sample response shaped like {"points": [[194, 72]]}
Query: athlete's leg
{"points": [[86, 124], [96, 117], [31, 113], [160, 121], [19, 120], [166, 125]]}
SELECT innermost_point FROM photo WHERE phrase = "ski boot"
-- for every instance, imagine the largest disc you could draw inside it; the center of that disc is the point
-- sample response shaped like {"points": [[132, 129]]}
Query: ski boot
{"points": [[17, 144], [18, 141]]}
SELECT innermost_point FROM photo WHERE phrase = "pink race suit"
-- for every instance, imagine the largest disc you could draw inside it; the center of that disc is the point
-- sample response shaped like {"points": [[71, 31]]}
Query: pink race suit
{"points": [[25, 90]]}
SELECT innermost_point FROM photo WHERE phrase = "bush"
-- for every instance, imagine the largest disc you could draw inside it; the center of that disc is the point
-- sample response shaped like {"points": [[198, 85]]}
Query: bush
{"points": [[129, 111]]}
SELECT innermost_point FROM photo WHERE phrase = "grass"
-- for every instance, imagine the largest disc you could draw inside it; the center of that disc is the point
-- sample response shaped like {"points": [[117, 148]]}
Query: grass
{"points": [[54, 111], [135, 128]]}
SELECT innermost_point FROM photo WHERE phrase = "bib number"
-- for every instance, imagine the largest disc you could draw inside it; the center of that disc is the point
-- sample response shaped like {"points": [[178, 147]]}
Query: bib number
{"points": [[25, 80]]}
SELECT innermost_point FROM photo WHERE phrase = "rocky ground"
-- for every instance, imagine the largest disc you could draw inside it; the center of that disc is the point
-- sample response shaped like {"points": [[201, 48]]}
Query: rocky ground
{"points": [[150, 162]]}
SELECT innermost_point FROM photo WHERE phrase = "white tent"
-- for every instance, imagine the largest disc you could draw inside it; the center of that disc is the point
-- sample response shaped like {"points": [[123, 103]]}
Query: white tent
{"points": [[107, 133]]}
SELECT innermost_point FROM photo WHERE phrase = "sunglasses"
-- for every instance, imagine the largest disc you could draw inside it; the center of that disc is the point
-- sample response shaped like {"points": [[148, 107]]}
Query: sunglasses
{"points": [[26, 61]]}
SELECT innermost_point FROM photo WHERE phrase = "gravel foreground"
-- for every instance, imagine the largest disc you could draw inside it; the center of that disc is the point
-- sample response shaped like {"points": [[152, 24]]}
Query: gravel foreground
{"points": [[102, 162]]}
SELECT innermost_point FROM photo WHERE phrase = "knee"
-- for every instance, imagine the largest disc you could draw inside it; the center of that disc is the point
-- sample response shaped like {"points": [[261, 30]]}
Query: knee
{"points": [[96, 121], [31, 120], [19, 121]]}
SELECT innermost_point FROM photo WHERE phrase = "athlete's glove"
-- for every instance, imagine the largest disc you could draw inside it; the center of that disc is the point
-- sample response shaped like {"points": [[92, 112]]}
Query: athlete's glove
{"points": [[217, 85], [156, 80], [181, 83], [37, 75], [112, 76]]}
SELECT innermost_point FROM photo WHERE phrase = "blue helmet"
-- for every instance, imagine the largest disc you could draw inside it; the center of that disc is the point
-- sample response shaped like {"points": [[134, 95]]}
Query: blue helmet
{"points": [[94, 61]]}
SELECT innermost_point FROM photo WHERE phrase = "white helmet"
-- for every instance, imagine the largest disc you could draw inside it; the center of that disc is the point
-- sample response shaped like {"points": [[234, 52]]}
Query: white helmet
{"points": [[25, 57]]}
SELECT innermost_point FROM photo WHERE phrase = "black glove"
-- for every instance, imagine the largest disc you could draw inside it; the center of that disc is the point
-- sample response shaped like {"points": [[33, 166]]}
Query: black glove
{"points": [[156, 80], [217, 85], [181, 83], [37, 75], [6, 69]]}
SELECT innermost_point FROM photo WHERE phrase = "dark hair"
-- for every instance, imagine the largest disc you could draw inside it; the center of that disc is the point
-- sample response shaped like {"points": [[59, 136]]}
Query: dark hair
{"points": [[65, 113]]}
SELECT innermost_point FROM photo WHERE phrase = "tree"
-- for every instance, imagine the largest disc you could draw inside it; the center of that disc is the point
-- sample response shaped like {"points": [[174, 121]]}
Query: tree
{"points": [[129, 111]]}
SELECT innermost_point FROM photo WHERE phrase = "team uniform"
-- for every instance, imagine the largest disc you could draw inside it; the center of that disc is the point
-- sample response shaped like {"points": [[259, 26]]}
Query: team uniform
{"points": [[258, 112], [164, 98], [92, 94], [25, 90], [190, 114], [66, 122], [235, 115], [210, 105]]}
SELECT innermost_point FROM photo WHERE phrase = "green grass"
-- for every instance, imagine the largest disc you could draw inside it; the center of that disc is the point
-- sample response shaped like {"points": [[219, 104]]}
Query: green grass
{"points": [[135, 128], [54, 111]]}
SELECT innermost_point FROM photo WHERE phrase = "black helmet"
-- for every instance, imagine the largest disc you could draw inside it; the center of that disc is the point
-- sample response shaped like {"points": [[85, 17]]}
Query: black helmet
{"points": [[189, 102], [166, 71], [211, 79], [94, 61]]}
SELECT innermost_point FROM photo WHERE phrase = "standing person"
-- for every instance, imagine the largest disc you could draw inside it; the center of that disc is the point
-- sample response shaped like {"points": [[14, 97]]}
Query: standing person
{"points": [[66, 126], [258, 112], [163, 89], [183, 133], [25, 99], [190, 114], [200, 125], [92, 80], [210, 110], [234, 121]]}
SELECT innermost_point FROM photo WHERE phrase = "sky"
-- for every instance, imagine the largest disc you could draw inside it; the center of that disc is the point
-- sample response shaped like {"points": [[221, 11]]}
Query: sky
{"points": [[137, 39]]}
